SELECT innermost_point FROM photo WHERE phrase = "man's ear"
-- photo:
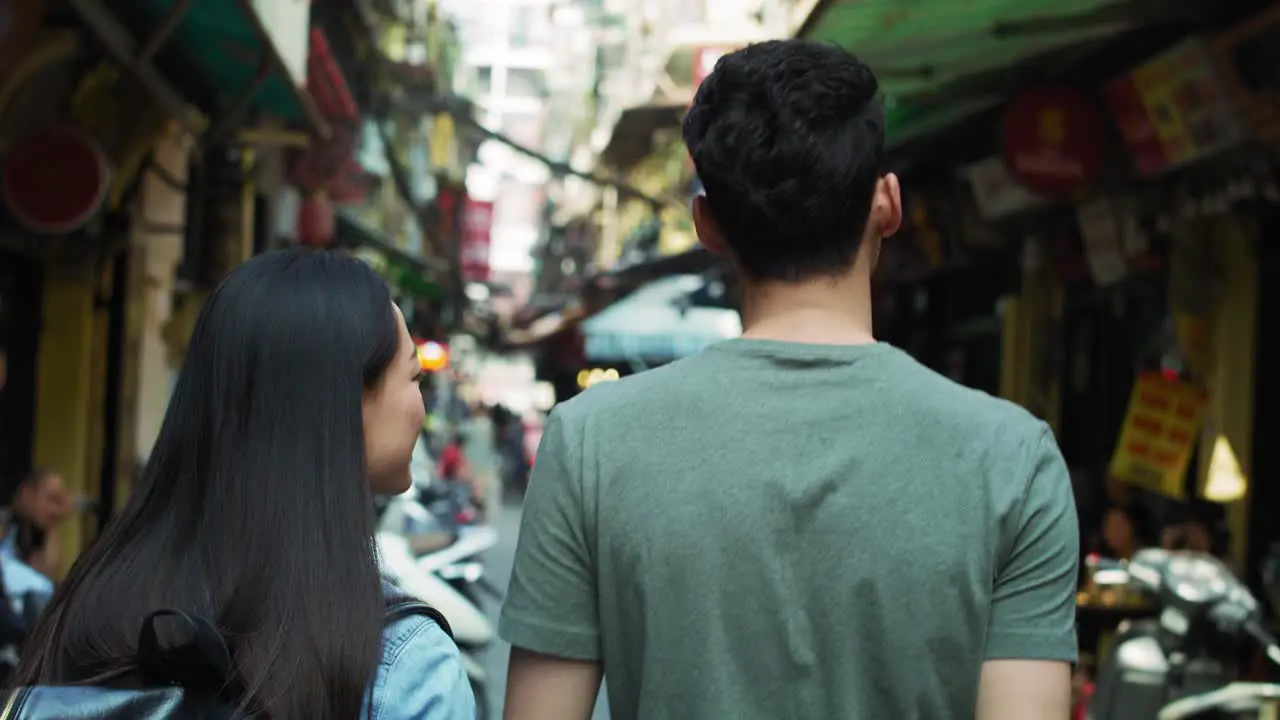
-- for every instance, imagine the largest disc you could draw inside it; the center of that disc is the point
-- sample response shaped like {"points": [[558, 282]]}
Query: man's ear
{"points": [[704, 222], [886, 207]]}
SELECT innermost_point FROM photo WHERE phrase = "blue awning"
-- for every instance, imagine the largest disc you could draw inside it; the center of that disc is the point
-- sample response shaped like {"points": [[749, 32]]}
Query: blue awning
{"points": [[657, 324]]}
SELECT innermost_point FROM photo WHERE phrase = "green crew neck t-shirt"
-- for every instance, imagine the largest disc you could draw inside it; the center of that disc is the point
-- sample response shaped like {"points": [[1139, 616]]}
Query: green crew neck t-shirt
{"points": [[771, 530]]}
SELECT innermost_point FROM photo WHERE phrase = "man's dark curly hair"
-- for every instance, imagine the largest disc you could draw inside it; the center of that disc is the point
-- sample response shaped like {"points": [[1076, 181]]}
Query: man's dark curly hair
{"points": [[787, 138]]}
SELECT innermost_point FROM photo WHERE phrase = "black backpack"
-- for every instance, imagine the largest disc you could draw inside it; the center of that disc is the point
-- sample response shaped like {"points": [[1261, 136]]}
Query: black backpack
{"points": [[185, 678]]}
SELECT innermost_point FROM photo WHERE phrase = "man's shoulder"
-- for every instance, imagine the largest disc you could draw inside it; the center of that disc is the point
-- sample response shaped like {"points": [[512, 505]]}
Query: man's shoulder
{"points": [[942, 398], [631, 395]]}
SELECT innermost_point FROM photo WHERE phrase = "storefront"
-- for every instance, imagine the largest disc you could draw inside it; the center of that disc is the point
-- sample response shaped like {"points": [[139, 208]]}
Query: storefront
{"points": [[20, 280]]}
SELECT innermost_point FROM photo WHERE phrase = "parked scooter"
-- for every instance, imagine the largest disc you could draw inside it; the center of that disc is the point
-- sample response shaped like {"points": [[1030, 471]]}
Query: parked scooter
{"points": [[433, 557], [1182, 665]]}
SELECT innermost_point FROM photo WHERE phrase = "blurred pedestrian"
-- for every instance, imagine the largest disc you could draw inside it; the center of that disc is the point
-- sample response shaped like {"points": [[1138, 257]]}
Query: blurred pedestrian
{"points": [[803, 522], [453, 467], [40, 504], [1125, 530], [254, 516]]}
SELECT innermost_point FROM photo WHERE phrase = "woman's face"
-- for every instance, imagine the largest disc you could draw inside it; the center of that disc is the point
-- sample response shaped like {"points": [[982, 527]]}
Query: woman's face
{"points": [[1117, 531], [393, 415]]}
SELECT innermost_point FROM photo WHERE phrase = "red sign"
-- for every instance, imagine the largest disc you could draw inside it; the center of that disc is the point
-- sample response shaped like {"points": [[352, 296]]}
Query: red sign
{"points": [[477, 226], [317, 221], [1054, 141], [55, 179], [1173, 109], [446, 202]]}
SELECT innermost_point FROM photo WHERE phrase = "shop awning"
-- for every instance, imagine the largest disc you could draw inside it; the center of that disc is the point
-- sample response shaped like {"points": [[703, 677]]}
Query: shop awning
{"points": [[658, 324], [248, 55], [632, 137], [402, 270], [939, 61], [550, 316]]}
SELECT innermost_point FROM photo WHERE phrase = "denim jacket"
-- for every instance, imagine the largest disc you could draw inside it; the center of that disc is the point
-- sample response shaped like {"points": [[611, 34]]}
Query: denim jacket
{"points": [[421, 676]]}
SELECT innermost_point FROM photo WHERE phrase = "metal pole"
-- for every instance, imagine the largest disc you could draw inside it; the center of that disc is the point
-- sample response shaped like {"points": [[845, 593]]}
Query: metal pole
{"points": [[162, 33]]}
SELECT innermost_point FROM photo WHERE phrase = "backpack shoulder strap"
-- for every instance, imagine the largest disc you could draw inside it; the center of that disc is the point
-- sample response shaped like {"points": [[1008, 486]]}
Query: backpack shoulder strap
{"points": [[400, 607]]}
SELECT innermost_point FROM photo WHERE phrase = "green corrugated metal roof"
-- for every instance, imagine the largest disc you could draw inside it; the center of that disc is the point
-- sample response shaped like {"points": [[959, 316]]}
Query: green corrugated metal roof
{"points": [[221, 42], [919, 47]]}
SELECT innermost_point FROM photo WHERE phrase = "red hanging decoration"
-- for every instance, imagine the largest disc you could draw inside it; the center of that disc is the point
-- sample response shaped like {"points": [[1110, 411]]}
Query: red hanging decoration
{"points": [[317, 221]]}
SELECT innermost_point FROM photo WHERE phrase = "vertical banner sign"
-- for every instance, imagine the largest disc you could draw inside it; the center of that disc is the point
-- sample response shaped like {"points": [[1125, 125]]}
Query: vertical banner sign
{"points": [[1159, 433], [477, 227]]}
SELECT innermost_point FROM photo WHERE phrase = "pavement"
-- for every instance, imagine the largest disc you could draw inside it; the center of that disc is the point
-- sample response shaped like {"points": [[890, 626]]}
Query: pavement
{"points": [[506, 520]]}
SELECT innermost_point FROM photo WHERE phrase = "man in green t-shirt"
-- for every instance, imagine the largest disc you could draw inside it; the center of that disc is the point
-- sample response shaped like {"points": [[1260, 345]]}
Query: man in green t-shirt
{"points": [[802, 523]]}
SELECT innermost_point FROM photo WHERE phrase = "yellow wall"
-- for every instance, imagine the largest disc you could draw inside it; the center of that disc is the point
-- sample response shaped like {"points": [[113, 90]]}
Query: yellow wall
{"points": [[64, 391], [1028, 320], [1231, 330]]}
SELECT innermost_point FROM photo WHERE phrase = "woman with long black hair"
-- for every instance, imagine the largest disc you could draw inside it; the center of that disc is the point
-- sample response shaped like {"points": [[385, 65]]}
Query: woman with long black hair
{"points": [[298, 402]]}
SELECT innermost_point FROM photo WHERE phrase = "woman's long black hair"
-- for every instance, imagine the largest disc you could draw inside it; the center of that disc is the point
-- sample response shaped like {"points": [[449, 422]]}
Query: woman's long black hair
{"points": [[254, 510]]}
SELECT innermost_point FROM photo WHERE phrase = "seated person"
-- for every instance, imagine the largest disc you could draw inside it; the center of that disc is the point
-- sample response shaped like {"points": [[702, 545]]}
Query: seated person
{"points": [[453, 467], [40, 503], [1196, 527], [1124, 531]]}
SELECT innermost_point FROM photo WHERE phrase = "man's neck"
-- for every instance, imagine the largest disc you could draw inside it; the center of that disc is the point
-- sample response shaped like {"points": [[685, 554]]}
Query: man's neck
{"points": [[826, 311]]}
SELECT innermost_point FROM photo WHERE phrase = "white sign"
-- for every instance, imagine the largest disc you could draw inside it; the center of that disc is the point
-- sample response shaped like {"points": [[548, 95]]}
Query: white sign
{"points": [[1100, 231], [287, 26], [996, 192]]}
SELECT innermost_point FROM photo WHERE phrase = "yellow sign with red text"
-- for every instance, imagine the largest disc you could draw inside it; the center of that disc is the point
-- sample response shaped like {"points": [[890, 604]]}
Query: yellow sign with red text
{"points": [[1159, 434]]}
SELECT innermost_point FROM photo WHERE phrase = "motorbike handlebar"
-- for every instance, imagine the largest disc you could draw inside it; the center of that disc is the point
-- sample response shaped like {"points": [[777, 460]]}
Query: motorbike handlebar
{"points": [[1235, 696], [1259, 634]]}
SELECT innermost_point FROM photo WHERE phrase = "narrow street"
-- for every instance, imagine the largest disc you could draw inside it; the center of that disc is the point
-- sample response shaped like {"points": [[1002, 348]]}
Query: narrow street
{"points": [[498, 567], [498, 561]]}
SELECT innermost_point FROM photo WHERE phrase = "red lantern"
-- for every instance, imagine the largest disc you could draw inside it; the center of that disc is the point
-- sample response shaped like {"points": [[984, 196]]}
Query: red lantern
{"points": [[317, 220]]}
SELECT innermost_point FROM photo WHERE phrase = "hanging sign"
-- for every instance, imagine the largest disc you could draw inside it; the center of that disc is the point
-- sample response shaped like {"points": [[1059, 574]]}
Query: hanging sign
{"points": [[996, 192], [317, 220], [1054, 141], [1160, 431], [477, 227], [55, 180], [1100, 234], [1173, 109], [443, 144]]}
